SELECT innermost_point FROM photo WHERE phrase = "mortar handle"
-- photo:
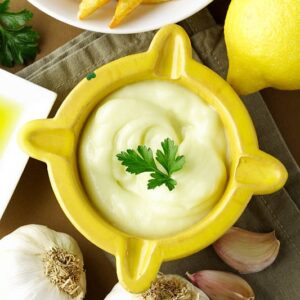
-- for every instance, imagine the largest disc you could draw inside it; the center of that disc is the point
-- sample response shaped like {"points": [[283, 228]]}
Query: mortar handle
{"points": [[262, 172], [138, 264], [171, 50], [42, 139]]}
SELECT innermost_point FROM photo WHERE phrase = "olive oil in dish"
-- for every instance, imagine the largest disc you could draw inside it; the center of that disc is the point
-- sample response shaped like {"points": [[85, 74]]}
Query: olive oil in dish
{"points": [[9, 114]]}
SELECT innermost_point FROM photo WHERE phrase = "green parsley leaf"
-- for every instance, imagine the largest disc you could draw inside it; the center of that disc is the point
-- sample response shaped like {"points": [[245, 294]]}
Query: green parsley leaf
{"points": [[91, 76], [168, 158], [159, 179], [18, 42], [142, 161], [4, 6]]}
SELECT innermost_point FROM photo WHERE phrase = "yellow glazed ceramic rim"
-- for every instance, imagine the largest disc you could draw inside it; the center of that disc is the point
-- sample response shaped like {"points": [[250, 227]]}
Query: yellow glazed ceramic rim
{"points": [[55, 142]]}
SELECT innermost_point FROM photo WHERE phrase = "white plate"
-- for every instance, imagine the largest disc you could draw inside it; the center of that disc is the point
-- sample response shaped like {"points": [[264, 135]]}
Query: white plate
{"points": [[144, 18], [34, 102]]}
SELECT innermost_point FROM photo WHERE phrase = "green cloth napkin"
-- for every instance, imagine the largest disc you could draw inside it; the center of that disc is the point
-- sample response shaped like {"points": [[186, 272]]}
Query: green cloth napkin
{"points": [[65, 67]]}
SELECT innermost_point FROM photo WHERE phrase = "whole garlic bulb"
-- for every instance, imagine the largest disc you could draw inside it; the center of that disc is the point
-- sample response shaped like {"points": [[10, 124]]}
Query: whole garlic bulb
{"points": [[38, 263], [171, 287]]}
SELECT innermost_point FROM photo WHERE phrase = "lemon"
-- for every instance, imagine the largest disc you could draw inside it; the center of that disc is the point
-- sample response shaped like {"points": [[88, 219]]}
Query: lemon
{"points": [[263, 44]]}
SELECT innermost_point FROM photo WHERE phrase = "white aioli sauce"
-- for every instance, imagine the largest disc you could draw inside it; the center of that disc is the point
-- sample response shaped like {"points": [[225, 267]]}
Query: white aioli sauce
{"points": [[146, 113]]}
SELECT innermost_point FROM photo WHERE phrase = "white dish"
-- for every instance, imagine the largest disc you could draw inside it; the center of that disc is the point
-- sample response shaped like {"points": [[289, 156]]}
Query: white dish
{"points": [[144, 18], [35, 102]]}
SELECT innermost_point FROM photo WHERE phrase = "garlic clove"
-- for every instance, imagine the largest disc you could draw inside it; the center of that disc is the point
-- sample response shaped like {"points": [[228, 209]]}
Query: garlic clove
{"points": [[164, 287], [246, 251], [222, 285]]}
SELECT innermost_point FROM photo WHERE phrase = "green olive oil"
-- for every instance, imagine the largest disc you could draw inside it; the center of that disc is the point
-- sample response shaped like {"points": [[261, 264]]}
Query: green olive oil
{"points": [[9, 113]]}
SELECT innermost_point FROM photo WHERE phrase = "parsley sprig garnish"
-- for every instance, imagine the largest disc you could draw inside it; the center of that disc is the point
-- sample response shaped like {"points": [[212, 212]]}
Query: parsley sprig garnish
{"points": [[18, 42], [142, 160]]}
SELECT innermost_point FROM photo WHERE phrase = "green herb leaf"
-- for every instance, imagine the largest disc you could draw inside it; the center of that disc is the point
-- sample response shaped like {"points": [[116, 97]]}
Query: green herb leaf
{"points": [[159, 179], [168, 158], [142, 161], [4, 6], [15, 21], [18, 42], [91, 76], [139, 161]]}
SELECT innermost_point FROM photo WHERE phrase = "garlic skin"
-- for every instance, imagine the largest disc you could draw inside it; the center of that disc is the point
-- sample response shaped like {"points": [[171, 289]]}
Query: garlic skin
{"points": [[222, 285], [119, 293], [176, 287], [31, 251], [246, 251]]}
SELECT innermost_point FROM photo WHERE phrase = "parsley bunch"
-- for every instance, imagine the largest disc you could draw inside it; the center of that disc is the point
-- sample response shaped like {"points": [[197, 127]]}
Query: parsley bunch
{"points": [[142, 161], [18, 42]]}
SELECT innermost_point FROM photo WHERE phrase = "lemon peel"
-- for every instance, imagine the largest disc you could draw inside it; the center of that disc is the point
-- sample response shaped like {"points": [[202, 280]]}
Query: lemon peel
{"points": [[263, 43]]}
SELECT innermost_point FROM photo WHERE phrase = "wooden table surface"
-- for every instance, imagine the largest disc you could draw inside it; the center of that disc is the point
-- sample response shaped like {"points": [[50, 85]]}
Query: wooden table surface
{"points": [[34, 201]]}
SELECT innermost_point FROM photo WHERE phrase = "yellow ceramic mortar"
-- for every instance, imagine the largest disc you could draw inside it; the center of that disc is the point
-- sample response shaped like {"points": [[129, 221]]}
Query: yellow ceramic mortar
{"points": [[55, 141]]}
